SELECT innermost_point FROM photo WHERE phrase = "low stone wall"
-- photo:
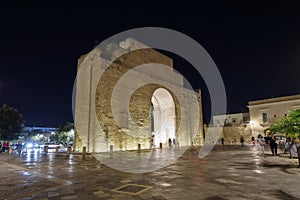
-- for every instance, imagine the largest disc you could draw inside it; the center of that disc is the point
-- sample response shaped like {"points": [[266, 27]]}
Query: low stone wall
{"points": [[232, 134]]}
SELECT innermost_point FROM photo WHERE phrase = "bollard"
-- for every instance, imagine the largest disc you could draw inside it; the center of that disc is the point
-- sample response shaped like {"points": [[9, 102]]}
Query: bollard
{"points": [[10, 150], [69, 150], [46, 149], [139, 148], [83, 151], [56, 149], [160, 145]]}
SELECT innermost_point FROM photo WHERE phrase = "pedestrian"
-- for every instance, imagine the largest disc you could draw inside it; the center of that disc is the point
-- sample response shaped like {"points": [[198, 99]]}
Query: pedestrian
{"points": [[19, 148], [4, 147], [7, 146], [242, 141], [222, 141], [261, 144], [267, 141], [287, 145], [253, 140], [273, 145], [174, 142], [170, 142]]}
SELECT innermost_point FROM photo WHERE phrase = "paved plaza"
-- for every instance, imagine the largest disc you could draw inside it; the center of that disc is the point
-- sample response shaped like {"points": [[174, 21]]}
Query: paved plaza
{"points": [[228, 172]]}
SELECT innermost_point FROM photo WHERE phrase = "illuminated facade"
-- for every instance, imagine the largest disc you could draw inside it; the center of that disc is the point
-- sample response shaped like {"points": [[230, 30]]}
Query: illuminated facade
{"points": [[231, 119], [137, 100], [265, 112]]}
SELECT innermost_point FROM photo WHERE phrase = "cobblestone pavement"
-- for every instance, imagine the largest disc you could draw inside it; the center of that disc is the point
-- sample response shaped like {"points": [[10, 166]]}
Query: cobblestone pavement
{"points": [[228, 172]]}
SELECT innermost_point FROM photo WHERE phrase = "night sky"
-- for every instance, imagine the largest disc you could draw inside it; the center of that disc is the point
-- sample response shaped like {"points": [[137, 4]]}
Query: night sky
{"points": [[256, 48]]}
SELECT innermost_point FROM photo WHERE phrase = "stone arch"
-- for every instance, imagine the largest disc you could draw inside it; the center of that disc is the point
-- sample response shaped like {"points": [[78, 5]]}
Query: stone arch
{"points": [[164, 117], [102, 128], [142, 97], [145, 97]]}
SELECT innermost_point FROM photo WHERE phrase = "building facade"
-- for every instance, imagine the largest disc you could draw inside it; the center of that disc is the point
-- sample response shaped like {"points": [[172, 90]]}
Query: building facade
{"points": [[265, 112], [128, 96], [231, 119], [39, 129]]}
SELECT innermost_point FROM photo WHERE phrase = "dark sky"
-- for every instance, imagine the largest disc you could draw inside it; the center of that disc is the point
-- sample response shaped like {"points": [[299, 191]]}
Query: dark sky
{"points": [[256, 48]]}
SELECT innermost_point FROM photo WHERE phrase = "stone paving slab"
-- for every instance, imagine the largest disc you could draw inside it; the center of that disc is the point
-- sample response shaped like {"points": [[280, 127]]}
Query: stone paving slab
{"points": [[228, 172]]}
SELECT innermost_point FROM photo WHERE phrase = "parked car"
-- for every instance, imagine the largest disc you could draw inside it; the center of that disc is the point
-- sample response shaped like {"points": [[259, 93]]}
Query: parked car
{"points": [[51, 145], [30, 145]]}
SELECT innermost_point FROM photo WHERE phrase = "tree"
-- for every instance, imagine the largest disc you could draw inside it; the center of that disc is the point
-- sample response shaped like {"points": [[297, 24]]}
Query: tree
{"points": [[289, 125], [65, 127], [11, 122], [64, 133]]}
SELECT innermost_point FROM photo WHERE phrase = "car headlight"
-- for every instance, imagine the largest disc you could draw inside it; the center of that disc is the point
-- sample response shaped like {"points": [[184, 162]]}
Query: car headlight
{"points": [[29, 145]]}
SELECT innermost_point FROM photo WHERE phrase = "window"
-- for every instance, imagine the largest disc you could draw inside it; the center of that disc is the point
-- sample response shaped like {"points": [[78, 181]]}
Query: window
{"points": [[265, 117]]}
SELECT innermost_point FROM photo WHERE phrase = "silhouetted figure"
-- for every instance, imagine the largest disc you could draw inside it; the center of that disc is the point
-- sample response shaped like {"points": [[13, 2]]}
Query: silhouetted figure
{"points": [[174, 142], [242, 141], [273, 145], [261, 144], [170, 142], [222, 141], [253, 140], [4, 146], [19, 148]]}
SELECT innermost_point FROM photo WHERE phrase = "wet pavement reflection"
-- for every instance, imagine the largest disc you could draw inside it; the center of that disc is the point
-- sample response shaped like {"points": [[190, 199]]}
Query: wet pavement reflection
{"points": [[228, 172]]}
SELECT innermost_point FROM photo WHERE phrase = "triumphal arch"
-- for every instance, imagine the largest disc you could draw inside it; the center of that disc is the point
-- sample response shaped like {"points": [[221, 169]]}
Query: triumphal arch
{"points": [[128, 96]]}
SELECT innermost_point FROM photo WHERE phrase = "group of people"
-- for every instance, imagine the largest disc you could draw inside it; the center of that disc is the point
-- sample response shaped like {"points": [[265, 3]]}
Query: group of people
{"points": [[4, 146], [172, 141], [242, 140], [262, 142], [270, 141]]}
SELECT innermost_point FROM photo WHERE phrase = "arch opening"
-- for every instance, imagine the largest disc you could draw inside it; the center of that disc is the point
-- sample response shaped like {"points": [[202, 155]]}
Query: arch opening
{"points": [[162, 117]]}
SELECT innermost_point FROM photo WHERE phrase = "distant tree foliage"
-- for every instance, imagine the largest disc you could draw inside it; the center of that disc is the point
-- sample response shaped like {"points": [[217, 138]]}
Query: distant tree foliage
{"points": [[289, 125], [11, 122], [65, 127], [63, 133]]}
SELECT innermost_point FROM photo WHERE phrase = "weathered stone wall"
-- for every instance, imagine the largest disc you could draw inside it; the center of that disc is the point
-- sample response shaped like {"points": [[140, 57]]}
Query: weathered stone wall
{"points": [[232, 134], [103, 118]]}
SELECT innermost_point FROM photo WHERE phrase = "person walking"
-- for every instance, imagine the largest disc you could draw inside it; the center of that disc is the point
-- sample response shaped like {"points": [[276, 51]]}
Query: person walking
{"points": [[222, 141], [7, 146], [261, 143], [170, 142], [273, 145], [19, 148], [253, 140], [242, 141], [4, 147], [174, 142]]}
